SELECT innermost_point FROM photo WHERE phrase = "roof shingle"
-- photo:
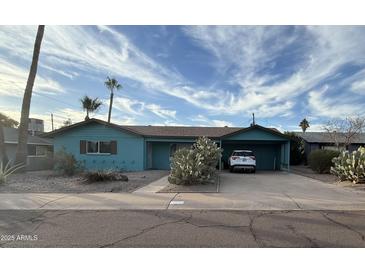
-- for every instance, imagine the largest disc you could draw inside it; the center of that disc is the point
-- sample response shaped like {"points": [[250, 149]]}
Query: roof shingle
{"points": [[11, 137], [324, 137]]}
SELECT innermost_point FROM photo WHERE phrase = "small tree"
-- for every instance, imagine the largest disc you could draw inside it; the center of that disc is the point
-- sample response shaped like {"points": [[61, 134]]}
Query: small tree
{"points": [[6, 121], [67, 123], [304, 124], [65, 163], [343, 132]]}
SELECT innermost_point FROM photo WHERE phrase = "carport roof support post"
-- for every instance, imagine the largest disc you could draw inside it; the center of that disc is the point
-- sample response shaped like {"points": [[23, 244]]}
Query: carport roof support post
{"points": [[220, 159]]}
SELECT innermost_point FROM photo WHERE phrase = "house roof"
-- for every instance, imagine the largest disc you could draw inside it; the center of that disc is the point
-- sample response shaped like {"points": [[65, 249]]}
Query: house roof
{"points": [[168, 131], [324, 137], [11, 137], [176, 131]]}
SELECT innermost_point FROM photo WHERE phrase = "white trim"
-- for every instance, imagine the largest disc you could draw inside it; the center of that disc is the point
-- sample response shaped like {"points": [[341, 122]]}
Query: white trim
{"points": [[37, 144], [97, 153]]}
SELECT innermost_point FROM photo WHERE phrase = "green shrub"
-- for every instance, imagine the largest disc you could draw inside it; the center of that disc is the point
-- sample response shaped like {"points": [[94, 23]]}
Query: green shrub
{"points": [[320, 160], [65, 163], [104, 175], [350, 166], [196, 165], [297, 155]]}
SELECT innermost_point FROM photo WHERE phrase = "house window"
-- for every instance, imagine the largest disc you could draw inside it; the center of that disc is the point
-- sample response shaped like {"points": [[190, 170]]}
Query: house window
{"points": [[41, 150], [98, 147], [104, 147], [34, 150]]}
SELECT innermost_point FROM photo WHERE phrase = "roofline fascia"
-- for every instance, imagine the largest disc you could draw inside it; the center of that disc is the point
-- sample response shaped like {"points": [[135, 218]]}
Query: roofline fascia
{"points": [[259, 127], [60, 130]]}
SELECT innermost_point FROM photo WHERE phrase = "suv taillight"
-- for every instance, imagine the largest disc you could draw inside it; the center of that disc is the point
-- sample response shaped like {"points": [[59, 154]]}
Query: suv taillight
{"points": [[234, 157], [253, 157]]}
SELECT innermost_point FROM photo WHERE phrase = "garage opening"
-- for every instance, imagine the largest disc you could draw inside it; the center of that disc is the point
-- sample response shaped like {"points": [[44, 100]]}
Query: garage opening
{"points": [[268, 154]]}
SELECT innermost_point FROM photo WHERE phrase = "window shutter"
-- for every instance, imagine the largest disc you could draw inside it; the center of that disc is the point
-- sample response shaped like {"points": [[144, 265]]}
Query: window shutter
{"points": [[113, 147], [82, 146]]}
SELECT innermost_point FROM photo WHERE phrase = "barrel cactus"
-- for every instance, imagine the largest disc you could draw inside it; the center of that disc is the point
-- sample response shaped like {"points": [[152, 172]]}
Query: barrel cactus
{"points": [[350, 166]]}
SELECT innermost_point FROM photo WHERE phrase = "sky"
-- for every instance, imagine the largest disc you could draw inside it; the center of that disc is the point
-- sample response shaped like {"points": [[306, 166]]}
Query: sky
{"points": [[189, 75]]}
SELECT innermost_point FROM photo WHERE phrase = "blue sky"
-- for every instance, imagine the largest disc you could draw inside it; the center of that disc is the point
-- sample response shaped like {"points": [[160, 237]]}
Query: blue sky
{"points": [[189, 75]]}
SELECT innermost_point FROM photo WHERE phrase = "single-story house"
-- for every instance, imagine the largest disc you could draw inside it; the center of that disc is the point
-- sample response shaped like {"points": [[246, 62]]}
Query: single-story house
{"points": [[323, 140], [100, 145], [40, 150]]}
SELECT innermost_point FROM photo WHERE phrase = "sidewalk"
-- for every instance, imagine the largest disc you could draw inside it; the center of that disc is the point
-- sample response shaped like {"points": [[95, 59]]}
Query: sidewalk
{"points": [[163, 201], [305, 195]]}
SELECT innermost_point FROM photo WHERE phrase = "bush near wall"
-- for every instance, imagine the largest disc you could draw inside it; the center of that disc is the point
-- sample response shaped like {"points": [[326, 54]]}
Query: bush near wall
{"points": [[65, 163], [320, 160], [350, 166], [196, 165]]}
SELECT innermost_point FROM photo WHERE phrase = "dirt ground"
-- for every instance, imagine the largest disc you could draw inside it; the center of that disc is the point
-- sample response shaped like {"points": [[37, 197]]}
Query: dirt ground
{"points": [[326, 178], [46, 181]]}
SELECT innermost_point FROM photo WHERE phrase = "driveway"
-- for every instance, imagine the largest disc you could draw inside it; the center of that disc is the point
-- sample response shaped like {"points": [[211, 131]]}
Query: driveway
{"points": [[283, 190], [260, 191]]}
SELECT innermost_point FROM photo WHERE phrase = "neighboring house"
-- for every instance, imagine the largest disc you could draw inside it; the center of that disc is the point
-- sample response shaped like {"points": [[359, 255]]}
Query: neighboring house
{"points": [[101, 145], [323, 140], [40, 150]]}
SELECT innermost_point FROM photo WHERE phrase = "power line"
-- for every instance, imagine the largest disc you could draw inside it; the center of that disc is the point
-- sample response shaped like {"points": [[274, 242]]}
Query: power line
{"points": [[60, 101]]}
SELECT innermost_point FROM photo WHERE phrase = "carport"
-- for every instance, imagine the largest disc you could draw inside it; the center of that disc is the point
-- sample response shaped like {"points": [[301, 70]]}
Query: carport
{"points": [[271, 147]]}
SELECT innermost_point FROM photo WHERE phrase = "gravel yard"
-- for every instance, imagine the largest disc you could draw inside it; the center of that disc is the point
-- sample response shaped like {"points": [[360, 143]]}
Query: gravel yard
{"points": [[308, 172], [46, 181], [326, 178], [212, 187]]}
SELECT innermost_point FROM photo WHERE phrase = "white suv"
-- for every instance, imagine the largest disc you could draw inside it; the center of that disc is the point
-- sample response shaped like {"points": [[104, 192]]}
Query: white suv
{"points": [[244, 159]]}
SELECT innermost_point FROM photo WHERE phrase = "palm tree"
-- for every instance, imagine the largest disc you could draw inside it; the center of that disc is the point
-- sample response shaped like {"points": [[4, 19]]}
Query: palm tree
{"points": [[304, 124], [90, 105], [21, 152], [111, 84]]}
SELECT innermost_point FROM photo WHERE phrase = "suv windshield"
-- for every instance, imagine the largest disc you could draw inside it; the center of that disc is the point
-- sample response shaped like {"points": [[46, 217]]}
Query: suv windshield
{"points": [[242, 153]]}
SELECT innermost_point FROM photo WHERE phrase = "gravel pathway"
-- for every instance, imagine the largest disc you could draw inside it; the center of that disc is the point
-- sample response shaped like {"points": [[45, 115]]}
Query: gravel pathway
{"points": [[46, 181]]}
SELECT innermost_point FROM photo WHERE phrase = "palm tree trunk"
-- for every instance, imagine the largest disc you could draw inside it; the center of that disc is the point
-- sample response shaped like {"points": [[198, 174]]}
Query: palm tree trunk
{"points": [[4, 157], [110, 105], [21, 152], [87, 115]]}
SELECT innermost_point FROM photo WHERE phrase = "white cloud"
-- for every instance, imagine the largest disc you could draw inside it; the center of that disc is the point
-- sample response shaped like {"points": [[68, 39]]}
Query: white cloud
{"points": [[248, 51], [126, 105], [159, 111], [358, 87], [244, 55], [201, 120], [322, 103], [14, 79], [136, 107]]}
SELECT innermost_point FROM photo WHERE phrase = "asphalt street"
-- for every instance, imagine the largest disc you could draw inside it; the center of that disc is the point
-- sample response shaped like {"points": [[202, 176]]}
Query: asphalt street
{"points": [[181, 228]]}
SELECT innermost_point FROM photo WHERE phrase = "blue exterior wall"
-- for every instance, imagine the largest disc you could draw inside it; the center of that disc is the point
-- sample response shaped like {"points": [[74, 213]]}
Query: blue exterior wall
{"points": [[161, 155], [130, 148], [161, 150], [255, 135], [272, 151]]}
